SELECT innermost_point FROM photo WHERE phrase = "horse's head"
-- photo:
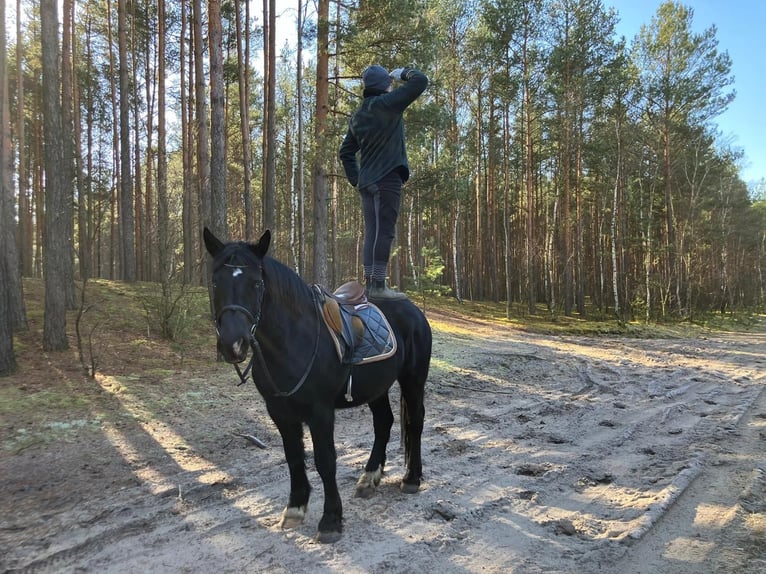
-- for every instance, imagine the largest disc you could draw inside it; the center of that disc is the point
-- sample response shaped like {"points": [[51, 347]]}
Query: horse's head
{"points": [[237, 292]]}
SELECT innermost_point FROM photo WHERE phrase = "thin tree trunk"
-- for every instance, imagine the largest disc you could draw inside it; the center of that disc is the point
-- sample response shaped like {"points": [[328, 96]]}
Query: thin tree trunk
{"points": [[411, 248], [455, 257]]}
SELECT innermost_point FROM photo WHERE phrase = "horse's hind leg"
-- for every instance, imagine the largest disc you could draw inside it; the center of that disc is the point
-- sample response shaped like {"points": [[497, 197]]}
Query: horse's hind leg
{"points": [[382, 421], [412, 417], [300, 489]]}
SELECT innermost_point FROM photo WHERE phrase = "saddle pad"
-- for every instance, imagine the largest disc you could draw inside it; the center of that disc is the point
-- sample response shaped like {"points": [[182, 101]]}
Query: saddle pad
{"points": [[361, 333], [378, 341]]}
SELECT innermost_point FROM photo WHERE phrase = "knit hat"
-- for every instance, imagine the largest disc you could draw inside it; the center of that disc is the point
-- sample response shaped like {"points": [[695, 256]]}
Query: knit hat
{"points": [[376, 78]]}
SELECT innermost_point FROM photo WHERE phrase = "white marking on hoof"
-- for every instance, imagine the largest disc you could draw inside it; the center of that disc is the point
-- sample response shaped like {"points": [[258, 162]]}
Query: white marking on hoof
{"points": [[292, 516], [367, 483]]}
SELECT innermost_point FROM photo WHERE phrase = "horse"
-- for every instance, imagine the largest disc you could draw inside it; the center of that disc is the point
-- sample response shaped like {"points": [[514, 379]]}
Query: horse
{"points": [[262, 307]]}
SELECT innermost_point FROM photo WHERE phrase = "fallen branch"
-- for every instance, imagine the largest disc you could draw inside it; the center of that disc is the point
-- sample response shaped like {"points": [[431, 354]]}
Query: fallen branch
{"points": [[253, 439]]}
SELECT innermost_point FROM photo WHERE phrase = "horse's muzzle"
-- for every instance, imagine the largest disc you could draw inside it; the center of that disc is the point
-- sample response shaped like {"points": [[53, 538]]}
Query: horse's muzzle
{"points": [[235, 352]]}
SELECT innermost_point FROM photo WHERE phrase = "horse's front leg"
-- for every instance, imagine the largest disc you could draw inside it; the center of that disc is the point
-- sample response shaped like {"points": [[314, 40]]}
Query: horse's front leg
{"points": [[300, 489], [323, 435], [382, 421]]}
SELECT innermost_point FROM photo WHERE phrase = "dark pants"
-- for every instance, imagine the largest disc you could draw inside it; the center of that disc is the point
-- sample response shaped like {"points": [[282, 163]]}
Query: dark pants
{"points": [[380, 206]]}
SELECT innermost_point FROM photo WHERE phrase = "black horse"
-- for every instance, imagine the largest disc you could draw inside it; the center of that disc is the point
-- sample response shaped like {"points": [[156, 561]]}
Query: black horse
{"points": [[264, 308]]}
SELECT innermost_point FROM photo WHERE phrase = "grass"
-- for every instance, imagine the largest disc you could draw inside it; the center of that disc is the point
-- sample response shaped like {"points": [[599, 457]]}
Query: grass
{"points": [[593, 323]]}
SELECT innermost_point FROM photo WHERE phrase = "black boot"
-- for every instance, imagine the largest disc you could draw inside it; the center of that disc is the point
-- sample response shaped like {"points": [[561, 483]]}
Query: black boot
{"points": [[380, 291]]}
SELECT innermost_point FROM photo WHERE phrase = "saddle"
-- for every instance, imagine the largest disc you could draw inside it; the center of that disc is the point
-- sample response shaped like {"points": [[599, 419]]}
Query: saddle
{"points": [[359, 329]]}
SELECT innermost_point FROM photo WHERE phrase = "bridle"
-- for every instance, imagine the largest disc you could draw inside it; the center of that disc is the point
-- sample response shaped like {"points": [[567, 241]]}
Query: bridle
{"points": [[255, 346]]}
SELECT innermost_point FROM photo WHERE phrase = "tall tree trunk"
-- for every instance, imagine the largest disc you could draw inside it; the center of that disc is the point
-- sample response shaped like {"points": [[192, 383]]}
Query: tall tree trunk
{"points": [[139, 207], [164, 247], [480, 226], [38, 195], [270, 120], [8, 268], [83, 240], [25, 243], [117, 175], [190, 222], [200, 101], [218, 224], [670, 227], [57, 246], [67, 127], [148, 227], [11, 276], [243, 57], [507, 212], [300, 249], [530, 270], [125, 213], [579, 242], [613, 230], [319, 171]]}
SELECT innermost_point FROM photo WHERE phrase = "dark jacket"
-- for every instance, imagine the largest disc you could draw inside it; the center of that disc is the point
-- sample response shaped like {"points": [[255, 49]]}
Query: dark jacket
{"points": [[377, 131]]}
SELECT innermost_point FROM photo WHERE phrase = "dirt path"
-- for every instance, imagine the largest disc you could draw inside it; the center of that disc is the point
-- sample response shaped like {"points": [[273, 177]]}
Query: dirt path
{"points": [[541, 454], [719, 523]]}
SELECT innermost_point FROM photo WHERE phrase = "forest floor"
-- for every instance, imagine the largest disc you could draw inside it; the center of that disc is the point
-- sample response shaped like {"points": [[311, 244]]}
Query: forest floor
{"points": [[542, 453]]}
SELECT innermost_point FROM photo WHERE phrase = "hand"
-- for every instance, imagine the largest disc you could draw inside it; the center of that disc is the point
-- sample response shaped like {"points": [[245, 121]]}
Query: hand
{"points": [[396, 74]]}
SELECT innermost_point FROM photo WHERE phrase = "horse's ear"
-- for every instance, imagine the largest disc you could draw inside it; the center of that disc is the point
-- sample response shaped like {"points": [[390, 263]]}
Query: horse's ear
{"points": [[262, 246], [212, 243]]}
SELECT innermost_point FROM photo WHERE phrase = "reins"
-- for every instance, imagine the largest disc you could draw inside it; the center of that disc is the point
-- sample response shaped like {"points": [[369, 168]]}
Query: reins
{"points": [[255, 346]]}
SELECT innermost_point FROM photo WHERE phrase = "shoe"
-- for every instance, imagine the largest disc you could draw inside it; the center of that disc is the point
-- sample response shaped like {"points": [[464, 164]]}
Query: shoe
{"points": [[378, 290]]}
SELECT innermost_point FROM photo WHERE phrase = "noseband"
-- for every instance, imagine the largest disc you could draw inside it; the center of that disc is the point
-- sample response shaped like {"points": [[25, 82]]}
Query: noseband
{"points": [[255, 346]]}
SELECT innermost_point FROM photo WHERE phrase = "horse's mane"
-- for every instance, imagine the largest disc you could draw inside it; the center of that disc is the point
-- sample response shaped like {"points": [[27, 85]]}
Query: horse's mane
{"points": [[280, 278], [283, 280]]}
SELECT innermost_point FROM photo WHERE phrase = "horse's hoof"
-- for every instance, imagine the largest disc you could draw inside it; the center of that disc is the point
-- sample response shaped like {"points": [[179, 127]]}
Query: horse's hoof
{"points": [[292, 517], [409, 488], [329, 537], [368, 483]]}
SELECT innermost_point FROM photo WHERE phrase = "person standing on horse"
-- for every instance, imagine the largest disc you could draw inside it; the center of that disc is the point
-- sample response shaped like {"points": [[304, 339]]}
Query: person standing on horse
{"points": [[376, 132]]}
